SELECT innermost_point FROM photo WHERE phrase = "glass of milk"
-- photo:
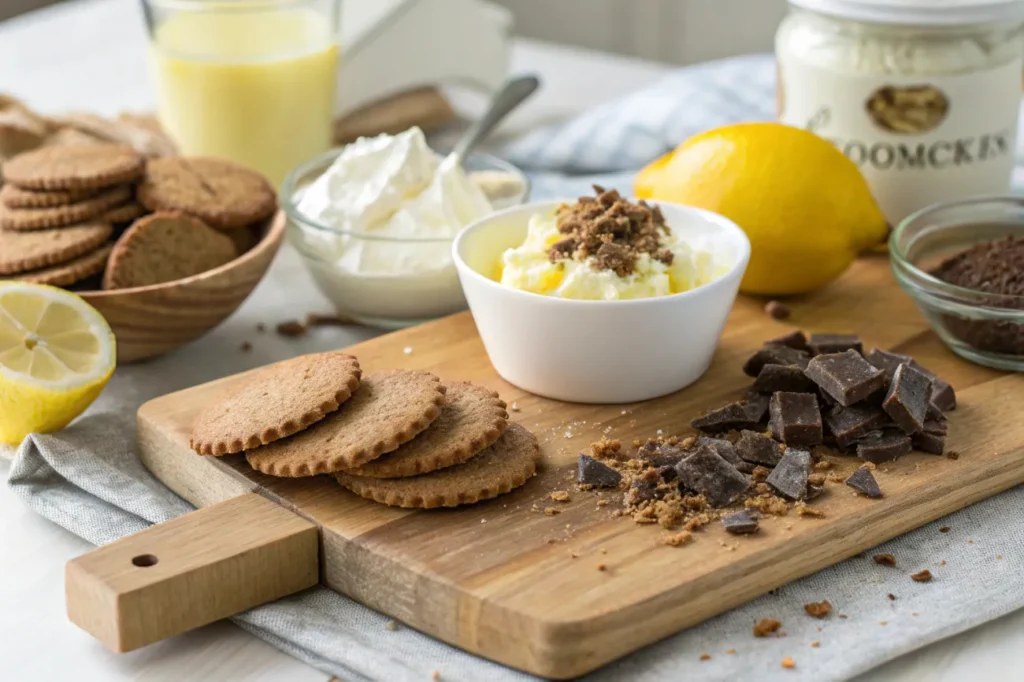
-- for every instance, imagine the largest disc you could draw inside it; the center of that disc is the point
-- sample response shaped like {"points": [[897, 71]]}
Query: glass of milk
{"points": [[252, 81]]}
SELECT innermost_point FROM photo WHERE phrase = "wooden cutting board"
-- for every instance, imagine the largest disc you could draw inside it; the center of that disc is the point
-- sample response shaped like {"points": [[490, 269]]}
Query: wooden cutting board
{"points": [[503, 580]]}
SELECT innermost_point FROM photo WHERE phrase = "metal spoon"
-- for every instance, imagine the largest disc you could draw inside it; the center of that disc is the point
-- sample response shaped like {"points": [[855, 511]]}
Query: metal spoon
{"points": [[511, 95]]}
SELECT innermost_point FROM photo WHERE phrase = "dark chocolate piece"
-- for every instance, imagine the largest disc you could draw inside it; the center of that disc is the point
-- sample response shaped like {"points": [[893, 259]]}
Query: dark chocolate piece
{"points": [[943, 394], [758, 448], [863, 481], [740, 523], [789, 477], [827, 344], [773, 378], [707, 474], [931, 443], [847, 424], [726, 451], [939, 427], [641, 490], [733, 416], [590, 471], [883, 446], [886, 361], [934, 411], [795, 340], [667, 473], [660, 454], [814, 491], [774, 355], [845, 376], [795, 418], [756, 406], [908, 398]]}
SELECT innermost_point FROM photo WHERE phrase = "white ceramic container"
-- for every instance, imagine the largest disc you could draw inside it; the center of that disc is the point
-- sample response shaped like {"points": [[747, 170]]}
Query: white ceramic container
{"points": [[598, 351]]}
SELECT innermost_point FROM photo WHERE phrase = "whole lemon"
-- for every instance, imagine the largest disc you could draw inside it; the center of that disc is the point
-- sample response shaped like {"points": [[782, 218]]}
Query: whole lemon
{"points": [[805, 207]]}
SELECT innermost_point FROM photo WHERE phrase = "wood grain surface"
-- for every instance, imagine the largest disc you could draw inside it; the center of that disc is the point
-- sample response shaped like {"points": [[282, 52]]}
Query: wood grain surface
{"points": [[504, 580], [190, 571]]}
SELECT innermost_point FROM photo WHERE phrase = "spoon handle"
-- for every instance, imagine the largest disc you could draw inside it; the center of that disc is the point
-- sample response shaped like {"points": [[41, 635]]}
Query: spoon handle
{"points": [[508, 98]]}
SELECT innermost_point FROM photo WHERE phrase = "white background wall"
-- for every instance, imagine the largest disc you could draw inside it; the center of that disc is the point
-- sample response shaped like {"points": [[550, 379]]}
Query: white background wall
{"points": [[678, 31]]}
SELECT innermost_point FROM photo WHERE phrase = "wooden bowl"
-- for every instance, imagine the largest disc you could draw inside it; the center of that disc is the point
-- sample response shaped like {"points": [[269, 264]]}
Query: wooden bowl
{"points": [[152, 320]]}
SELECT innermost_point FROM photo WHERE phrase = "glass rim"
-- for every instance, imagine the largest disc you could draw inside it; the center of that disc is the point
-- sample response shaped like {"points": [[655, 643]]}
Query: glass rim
{"points": [[291, 209], [934, 284]]}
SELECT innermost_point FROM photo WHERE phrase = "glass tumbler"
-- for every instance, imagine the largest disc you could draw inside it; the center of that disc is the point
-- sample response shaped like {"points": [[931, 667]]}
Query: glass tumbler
{"points": [[251, 81]]}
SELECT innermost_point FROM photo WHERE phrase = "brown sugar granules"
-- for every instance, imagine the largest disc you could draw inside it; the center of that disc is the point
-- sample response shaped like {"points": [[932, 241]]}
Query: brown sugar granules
{"points": [[924, 576], [815, 644], [705, 657], [291, 329], [605, 449], [819, 609], [602, 567], [803, 510], [678, 539], [560, 496], [788, 663], [766, 626], [885, 560], [953, 454], [777, 310], [611, 231], [551, 511]]}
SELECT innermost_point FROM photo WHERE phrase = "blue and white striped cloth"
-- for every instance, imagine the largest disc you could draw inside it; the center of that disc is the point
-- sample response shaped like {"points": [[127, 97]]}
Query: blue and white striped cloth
{"points": [[610, 143]]}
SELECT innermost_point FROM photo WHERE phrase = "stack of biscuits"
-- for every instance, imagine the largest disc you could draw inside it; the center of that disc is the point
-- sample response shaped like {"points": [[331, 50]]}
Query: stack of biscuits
{"points": [[62, 208], [399, 437]]}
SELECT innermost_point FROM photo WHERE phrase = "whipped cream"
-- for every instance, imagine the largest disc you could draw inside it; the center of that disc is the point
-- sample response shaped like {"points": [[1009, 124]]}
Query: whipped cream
{"points": [[528, 267], [385, 189]]}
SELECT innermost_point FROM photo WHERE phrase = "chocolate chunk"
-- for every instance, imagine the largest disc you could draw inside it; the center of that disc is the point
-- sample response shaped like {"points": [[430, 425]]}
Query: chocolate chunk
{"points": [[907, 399], [707, 474], [934, 411], [883, 446], [758, 448], [845, 376], [795, 418], [590, 471], [943, 394], [827, 344], [726, 451], [773, 378], [886, 361], [789, 477], [850, 423], [733, 416], [774, 355], [931, 443], [667, 473], [756, 406], [641, 490], [795, 340], [863, 481], [740, 523], [660, 454], [938, 427]]}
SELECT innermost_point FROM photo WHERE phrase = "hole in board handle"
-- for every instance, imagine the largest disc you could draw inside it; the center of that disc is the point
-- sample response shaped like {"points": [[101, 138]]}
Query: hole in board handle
{"points": [[144, 560]]}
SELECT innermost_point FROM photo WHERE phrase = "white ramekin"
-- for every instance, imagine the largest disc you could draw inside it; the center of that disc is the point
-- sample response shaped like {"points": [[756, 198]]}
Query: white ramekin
{"points": [[597, 351]]}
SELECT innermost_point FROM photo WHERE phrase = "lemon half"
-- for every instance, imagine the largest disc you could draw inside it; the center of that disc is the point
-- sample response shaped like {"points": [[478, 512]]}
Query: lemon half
{"points": [[56, 355]]}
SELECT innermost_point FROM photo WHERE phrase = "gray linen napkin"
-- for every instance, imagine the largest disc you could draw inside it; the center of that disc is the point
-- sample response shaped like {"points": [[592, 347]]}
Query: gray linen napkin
{"points": [[88, 480]]}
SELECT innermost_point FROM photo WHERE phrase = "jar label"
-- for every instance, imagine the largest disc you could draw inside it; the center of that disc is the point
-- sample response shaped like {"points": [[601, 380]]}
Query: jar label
{"points": [[917, 139]]}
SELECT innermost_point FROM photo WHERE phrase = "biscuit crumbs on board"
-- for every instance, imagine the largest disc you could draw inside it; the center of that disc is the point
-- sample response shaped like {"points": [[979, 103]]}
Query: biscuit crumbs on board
{"points": [[705, 657], [819, 609], [766, 627], [788, 663], [560, 496]]}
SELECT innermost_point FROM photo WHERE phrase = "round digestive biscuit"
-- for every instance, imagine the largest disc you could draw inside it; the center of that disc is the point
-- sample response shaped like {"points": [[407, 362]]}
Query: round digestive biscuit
{"points": [[276, 402], [66, 274], [25, 251], [390, 408], [59, 216], [223, 194], [80, 166], [15, 197], [125, 213], [166, 247], [472, 418], [507, 464]]}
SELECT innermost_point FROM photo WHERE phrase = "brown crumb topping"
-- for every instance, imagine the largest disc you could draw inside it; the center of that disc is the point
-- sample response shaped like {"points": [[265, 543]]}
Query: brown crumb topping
{"points": [[819, 609], [815, 644], [885, 560], [551, 511], [924, 576], [788, 663], [678, 539], [705, 657], [560, 496], [766, 626], [803, 510], [611, 230], [291, 329]]}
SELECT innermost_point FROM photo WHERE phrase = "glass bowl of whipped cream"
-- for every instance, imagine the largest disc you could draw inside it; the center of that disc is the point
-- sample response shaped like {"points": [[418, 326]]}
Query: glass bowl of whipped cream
{"points": [[375, 220]]}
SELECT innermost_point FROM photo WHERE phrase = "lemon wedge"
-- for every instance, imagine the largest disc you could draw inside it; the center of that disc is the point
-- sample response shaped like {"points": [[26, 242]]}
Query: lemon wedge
{"points": [[56, 355]]}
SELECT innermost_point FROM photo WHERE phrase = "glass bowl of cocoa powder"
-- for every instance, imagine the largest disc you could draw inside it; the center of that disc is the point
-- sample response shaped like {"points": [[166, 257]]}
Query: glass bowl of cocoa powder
{"points": [[963, 263]]}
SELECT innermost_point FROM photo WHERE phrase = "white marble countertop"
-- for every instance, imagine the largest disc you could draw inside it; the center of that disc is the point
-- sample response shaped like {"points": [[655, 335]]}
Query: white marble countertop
{"points": [[88, 55]]}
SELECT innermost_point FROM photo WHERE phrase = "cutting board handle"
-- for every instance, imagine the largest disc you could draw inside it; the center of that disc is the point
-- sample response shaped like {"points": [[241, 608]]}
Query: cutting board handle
{"points": [[191, 571]]}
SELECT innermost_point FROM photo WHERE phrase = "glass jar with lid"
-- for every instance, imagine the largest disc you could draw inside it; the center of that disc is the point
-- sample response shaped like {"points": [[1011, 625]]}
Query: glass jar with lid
{"points": [[923, 95]]}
